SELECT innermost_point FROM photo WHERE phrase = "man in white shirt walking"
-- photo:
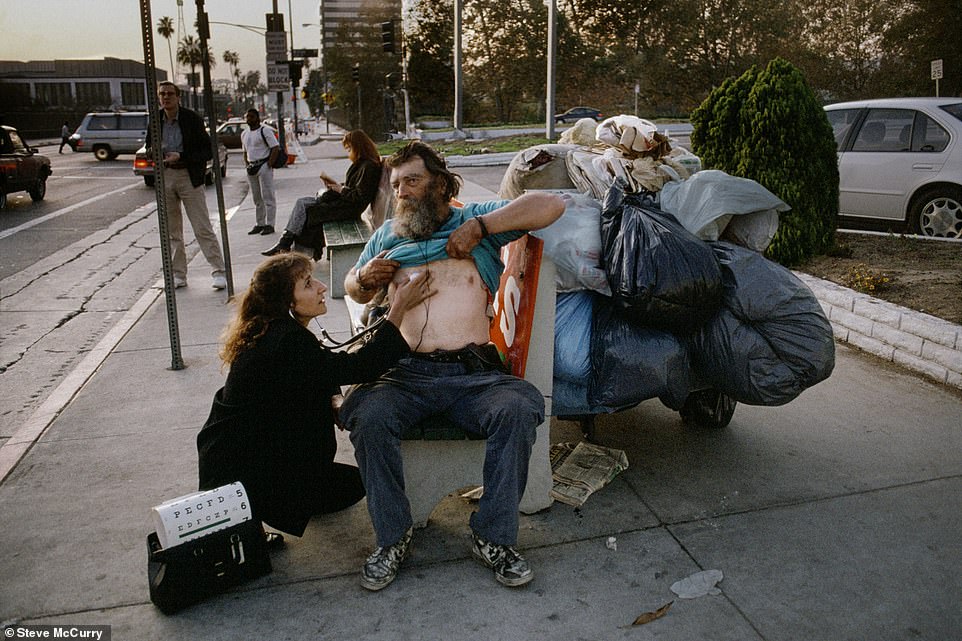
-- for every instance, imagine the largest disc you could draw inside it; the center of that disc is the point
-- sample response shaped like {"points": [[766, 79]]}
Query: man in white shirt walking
{"points": [[260, 149]]}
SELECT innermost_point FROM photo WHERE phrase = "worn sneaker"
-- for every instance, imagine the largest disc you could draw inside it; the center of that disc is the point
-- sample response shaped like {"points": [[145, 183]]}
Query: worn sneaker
{"points": [[382, 566], [219, 282], [510, 568], [179, 282]]}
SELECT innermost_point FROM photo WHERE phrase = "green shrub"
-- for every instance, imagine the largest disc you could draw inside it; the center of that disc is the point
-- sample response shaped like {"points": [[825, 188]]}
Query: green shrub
{"points": [[767, 125]]}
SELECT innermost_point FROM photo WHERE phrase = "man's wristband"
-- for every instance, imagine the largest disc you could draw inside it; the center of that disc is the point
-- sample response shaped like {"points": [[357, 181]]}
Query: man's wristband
{"points": [[484, 228]]}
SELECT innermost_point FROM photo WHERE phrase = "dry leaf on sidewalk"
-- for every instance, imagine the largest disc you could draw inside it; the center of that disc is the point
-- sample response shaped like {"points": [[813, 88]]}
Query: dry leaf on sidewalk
{"points": [[648, 617]]}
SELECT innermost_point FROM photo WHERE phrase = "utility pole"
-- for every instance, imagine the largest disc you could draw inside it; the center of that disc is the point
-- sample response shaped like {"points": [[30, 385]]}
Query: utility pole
{"points": [[549, 88], [458, 87], [203, 30], [275, 22], [295, 79]]}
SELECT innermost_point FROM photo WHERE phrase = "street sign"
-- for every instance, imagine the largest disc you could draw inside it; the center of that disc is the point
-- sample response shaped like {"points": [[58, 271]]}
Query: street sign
{"points": [[937, 69], [303, 53], [276, 42], [278, 76]]}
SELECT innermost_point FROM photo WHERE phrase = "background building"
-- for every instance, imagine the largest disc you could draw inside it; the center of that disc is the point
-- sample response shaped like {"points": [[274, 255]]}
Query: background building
{"points": [[38, 95]]}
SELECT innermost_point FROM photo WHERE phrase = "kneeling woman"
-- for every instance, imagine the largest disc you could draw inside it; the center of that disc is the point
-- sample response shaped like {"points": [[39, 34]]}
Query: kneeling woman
{"points": [[271, 425]]}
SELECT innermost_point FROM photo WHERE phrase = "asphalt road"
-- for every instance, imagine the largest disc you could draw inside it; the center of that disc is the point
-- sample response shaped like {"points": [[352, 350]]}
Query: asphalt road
{"points": [[71, 265]]}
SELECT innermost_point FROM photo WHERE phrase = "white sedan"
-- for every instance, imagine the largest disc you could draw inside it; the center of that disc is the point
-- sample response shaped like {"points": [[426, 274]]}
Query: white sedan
{"points": [[900, 163]]}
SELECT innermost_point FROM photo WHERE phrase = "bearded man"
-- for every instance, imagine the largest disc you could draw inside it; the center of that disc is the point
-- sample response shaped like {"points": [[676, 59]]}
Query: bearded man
{"points": [[452, 369]]}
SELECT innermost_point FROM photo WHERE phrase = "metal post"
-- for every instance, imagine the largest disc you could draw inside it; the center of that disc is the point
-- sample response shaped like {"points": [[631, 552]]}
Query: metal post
{"points": [[360, 120], [408, 127], [156, 136], [290, 22], [458, 88], [549, 88], [280, 94], [203, 30]]}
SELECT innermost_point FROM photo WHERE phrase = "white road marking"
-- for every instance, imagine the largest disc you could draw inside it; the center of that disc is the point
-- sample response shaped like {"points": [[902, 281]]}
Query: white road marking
{"points": [[60, 212]]}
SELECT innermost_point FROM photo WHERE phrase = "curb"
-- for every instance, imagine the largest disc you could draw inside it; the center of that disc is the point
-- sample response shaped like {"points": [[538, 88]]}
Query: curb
{"points": [[920, 342]]}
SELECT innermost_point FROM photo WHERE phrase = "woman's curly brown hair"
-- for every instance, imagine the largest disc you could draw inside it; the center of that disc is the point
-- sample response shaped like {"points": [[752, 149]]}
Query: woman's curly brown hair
{"points": [[268, 298]]}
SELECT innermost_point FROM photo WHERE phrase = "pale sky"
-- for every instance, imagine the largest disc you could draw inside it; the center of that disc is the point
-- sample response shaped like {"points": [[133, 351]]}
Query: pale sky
{"points": [[64, 29]]}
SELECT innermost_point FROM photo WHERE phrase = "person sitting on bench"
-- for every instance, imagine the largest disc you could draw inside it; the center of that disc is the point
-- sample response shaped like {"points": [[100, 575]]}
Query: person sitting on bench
{"points": [[340, 202], [452, 370]]}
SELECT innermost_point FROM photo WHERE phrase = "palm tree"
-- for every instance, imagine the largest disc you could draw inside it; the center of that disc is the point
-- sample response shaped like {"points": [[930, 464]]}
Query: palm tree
{"points": [[232, 58], [165, 27], [188, 53]]}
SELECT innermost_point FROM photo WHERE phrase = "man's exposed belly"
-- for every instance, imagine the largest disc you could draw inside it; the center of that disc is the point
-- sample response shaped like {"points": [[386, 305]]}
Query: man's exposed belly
{"points": [[456, 315]]}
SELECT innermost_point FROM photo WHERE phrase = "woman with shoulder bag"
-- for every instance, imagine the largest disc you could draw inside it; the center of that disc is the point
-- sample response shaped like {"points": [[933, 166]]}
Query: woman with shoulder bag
{"points": [[271, 426], [341, 201]]}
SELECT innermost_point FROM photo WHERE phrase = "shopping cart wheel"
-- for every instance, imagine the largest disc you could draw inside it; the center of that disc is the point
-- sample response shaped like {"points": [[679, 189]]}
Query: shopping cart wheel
{"points": [[708, 408]]}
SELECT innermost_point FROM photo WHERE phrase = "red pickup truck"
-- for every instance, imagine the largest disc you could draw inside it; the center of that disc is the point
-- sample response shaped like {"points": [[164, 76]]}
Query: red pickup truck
{"points": [[21, 167]]}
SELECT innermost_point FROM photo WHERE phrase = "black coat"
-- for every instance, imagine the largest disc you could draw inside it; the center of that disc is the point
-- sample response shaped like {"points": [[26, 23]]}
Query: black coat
{"points": [[197, 145], [359, 191], [272, 427]]}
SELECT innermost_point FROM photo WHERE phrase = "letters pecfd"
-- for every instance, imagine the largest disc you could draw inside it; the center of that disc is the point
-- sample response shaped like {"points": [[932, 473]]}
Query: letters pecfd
{"points": [[194, 515]]}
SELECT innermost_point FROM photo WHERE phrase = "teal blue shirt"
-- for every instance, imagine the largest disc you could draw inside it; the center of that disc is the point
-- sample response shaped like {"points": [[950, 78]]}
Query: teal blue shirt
{"points": [[410, 253]]}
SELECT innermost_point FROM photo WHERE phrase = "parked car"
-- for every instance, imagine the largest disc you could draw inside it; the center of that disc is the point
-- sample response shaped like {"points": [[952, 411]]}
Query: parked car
{"points": [[900, 163], [21, 167], [109, 134], [144, 165], [229, 133], [577, 113]]}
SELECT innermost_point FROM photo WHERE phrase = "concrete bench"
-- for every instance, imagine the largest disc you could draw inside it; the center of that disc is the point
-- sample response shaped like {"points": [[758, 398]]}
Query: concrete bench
{"points": [[344, 240], [438, 457]]}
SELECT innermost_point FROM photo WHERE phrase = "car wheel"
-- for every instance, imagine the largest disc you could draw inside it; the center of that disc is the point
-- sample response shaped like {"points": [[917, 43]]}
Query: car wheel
{"points": [[149, 181], [3, 199], [39, 190], [937, 212], [103, 153], [708, 408]]}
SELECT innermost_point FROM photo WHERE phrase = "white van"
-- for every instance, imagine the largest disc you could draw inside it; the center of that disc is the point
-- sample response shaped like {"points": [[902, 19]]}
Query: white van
{"points": [[109, 134]]}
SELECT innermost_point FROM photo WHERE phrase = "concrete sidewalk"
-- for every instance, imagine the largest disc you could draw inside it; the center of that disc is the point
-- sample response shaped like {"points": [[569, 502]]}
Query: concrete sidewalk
{"points": [[834, 517]]}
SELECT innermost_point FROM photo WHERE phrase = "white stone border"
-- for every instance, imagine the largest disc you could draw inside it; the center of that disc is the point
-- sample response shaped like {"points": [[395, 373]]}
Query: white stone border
{"points": [[920, 342]]}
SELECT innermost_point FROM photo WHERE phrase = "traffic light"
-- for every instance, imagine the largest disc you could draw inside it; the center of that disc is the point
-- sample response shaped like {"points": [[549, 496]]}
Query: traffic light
{"points": [[387, 36], [295, 71], [356, 73]]}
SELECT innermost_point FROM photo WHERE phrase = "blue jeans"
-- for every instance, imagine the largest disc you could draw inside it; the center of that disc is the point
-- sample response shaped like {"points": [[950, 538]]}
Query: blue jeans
{"points": [[506, 410], [295, 224]]}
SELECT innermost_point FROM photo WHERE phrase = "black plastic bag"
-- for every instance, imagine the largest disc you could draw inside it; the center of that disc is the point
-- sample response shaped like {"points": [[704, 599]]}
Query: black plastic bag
{"points": [[660, 274], [631, 363], [771, 340]]}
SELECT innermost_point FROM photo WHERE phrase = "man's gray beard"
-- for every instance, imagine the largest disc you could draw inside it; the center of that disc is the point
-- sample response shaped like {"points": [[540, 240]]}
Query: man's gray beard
{"points": [[419, 219]]}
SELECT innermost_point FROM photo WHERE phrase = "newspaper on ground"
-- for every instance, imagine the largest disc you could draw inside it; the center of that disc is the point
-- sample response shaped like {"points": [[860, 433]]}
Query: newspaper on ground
{"points": [[581, 469]]}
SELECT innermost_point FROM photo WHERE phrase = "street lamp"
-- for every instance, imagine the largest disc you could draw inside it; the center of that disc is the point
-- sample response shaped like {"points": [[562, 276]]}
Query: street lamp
{"points": [[258, 30]]}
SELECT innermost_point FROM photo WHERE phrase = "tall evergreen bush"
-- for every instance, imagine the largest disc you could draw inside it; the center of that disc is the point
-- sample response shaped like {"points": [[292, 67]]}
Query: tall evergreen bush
{"points": [[767, 125]]}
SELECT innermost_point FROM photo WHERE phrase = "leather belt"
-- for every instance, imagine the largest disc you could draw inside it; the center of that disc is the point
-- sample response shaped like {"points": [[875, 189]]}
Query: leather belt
{"points": [[476, 357]]}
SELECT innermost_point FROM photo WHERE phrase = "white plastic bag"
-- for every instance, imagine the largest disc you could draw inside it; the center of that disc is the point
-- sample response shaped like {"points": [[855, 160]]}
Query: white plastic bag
{"points": [[627, 132], [574, 244]]}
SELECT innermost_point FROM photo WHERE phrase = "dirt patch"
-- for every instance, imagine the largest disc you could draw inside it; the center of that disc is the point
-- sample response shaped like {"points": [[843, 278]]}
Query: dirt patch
{"points": [[924, 275]]}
